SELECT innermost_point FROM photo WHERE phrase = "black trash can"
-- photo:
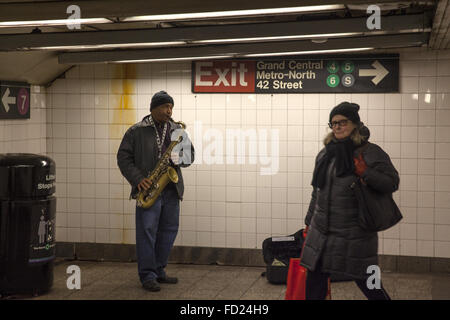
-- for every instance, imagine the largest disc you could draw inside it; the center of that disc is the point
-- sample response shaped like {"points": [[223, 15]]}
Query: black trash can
{"points": [[27, 223]]}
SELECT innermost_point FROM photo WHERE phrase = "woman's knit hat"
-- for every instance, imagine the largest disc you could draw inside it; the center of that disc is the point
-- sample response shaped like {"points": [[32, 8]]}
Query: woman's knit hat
{"points": [[347, 109]]}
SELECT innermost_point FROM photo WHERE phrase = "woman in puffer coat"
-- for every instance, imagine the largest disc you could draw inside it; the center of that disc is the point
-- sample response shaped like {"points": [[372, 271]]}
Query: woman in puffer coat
{"points": [[335, 242]]}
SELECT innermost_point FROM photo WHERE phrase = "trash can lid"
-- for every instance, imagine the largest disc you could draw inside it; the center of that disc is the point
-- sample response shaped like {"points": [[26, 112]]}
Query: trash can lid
{"points": [[25, 159]]}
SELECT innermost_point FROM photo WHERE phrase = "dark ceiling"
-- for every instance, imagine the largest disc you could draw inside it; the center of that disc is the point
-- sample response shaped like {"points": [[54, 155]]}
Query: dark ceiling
{"points": [[37, 53]]}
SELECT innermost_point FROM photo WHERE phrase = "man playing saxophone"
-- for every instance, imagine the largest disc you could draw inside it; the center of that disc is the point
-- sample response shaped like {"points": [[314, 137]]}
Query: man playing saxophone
{"points": [[144, 152]]}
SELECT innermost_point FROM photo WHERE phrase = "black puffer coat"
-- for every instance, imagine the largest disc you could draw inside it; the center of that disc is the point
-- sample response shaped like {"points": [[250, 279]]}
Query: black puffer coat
{"points": [[335, 242]]}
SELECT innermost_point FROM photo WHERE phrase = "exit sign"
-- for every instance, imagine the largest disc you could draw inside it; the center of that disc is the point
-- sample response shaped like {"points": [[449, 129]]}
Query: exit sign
{"points": [[371, 73]]}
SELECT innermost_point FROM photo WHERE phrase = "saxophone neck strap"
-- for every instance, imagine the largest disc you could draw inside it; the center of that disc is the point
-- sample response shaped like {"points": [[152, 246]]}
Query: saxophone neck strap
{"points": [[159, 140]]}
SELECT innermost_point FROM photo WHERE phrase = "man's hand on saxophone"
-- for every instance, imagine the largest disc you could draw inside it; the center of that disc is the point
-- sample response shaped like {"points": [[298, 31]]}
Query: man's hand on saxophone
{"points": [[145, 184]]}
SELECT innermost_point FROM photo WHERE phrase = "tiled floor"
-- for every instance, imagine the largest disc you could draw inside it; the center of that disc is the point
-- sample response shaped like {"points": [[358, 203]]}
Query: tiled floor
{"points": [[110, 280]]}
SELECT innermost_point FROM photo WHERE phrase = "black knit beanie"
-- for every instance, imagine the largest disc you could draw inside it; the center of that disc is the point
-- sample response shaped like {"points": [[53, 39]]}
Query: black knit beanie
{"points": [[160, 98], [347, 109]]}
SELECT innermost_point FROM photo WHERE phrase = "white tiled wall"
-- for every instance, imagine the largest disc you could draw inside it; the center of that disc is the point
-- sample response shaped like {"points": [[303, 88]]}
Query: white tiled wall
{"points": [[28, 135], [232, 205]]}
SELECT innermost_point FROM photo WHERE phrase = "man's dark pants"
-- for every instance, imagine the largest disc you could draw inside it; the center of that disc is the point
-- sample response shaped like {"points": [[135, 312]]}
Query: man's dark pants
{"points": [[156, 230]]}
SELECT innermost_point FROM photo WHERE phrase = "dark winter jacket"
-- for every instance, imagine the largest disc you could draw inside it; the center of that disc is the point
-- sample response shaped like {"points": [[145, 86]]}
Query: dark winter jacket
{"points": [[138, 154], [335, 242]]}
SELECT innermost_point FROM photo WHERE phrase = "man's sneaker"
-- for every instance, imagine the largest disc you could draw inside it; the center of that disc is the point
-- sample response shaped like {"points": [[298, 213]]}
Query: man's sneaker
{"points": [[171, 280], [151, 285]]}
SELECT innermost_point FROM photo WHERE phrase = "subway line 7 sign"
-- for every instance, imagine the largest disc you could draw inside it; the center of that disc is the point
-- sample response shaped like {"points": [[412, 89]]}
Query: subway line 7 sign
{"points": [[14, 100]]}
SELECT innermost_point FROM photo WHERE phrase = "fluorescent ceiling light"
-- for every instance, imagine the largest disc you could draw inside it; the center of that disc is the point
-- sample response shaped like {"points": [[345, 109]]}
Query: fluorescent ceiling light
{"points": [[316, 38], [306, 52], [294, 37], [56, 22], [171, 59], [245, 55], [109, 46], [174, 17], [178, 43], [233, 13]]}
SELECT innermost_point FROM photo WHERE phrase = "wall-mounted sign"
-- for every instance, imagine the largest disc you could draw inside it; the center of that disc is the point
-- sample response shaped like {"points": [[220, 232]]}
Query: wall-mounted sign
{"points": [[316, 74], [14, 100]]}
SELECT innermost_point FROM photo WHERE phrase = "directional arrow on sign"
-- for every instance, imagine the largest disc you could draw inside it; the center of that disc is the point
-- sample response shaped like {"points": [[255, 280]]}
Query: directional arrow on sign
{"points": [[7, 100], [379, 72]]}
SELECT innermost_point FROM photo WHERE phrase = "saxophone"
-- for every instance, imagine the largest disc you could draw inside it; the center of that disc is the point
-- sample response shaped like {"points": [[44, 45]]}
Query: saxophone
{"points": [[160, 176]]}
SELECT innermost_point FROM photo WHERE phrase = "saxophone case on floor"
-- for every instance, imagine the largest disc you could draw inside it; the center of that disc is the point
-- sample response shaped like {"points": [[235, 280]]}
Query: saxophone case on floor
{"points": [[277, 251]]}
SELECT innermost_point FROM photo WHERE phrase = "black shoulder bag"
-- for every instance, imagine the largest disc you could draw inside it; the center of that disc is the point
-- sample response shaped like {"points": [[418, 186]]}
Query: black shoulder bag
{"points": [[377, 211]]}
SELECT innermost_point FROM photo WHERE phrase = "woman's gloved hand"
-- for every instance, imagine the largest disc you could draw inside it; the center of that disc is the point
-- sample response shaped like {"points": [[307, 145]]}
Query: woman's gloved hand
{"points": [[360, 165]]}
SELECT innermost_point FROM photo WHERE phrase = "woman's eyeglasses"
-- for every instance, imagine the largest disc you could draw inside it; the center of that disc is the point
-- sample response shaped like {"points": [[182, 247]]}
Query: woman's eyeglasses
{"points": [[341, 123]]}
